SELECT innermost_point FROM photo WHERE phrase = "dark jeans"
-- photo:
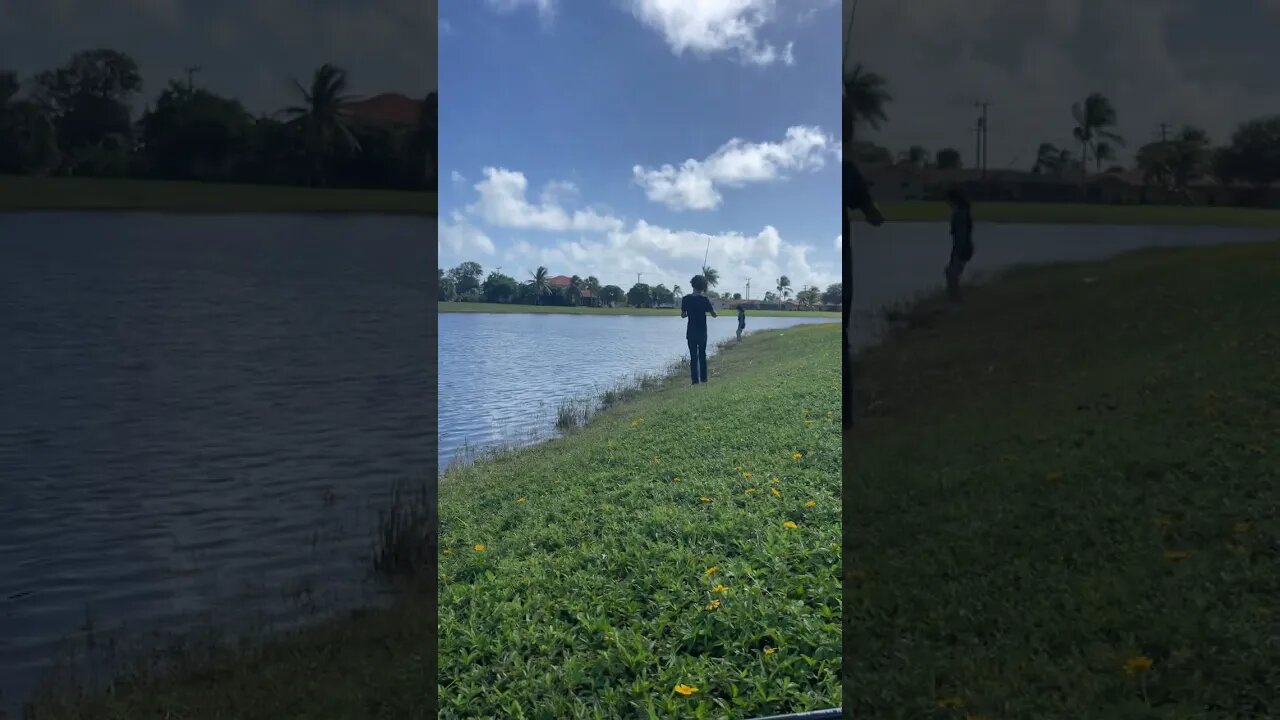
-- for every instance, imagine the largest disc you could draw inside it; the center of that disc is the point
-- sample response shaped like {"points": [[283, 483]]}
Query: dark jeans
{"points": [[960, 256], [698, 360]]}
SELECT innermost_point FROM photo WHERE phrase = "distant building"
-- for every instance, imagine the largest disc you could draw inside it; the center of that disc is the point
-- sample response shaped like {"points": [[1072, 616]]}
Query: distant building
{"points": [[388, 111], [585, 296]]}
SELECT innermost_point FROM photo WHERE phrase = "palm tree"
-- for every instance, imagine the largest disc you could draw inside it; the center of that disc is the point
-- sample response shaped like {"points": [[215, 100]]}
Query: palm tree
{"points": [[1052, 160], [675, 290], [324, 113], [573, 291], [1103, 152], [540, 284], [712, 276], [784, 287], [917, 156], [1094, 118], [868, 94]]}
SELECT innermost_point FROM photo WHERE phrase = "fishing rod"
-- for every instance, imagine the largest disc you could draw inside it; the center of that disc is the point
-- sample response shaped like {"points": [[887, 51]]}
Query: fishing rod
{"points": [[848, 36]]}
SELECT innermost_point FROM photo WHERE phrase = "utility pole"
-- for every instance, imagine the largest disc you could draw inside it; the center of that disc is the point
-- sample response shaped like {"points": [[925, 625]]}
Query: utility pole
{"points": [[986, 127], [191, 73], [748, 289], [981, 153], [1164, 132], [638, 278]]}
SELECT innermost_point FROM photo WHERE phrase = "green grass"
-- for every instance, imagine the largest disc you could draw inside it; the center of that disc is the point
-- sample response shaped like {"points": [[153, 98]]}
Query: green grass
{"points": [[727, 315], [1080, 213], [1080, 468], [590, 596], [21, 193]]}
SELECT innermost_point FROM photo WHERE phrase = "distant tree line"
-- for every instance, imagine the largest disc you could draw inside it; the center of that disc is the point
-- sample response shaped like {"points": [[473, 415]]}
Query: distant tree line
{"points": [[77, 120], [464, 283], [1250, 157]]}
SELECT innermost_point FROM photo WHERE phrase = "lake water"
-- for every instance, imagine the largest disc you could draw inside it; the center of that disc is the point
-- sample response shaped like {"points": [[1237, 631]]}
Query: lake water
{"points": [[200, 413], [504, 376], [898, 261]]}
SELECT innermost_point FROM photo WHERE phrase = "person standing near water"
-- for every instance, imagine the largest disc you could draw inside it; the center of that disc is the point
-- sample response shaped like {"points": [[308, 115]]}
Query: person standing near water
{"points": [[856, 197], [696, 306], [742, 321], [961, 241]]}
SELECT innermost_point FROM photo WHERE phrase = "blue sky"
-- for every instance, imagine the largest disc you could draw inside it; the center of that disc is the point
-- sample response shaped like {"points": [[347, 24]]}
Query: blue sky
{"points": [[615, 137]]}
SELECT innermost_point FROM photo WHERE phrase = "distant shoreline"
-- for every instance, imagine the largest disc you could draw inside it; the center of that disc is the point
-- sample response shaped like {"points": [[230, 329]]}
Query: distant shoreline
{"points": [[21, 194], [512, 309], [1088, 214]]}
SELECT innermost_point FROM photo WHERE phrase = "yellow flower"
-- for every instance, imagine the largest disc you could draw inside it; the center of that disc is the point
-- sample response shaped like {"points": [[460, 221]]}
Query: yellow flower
{"points": [[447, 551], [750, 490], [951, 702], [713, 606], [789, 525], [811, 503], [685, 690], [637, 422], [1240, 527], [1137, 664], [770, 650], [520, 500], [713, 570], [675, 479], [1176, 554], [719, 588], [775, 480], [479, 547], [738, 468], [796, 456], [746, 474], [775, 492], [704, 499]]}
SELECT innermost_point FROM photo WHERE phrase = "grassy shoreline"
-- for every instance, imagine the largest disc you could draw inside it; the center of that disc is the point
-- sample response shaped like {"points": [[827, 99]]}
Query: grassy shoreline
{"points": [[502, 309], [576, 575], [1063, 500], [36, 194], [1088, 214]]}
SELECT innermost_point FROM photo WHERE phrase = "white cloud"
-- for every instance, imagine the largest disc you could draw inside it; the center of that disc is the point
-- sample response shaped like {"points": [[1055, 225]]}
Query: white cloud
{"points": [[457, 178], [839, 241], [461, 240], [446, 28], [546, 8], [502, 203], [706, 27], [693, 185], [614, 253], [671, 257]]}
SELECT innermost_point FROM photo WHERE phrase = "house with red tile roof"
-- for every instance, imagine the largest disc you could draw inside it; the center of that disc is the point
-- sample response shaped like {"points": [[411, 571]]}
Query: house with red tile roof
{"points": [[388, 111], [560, 282]]}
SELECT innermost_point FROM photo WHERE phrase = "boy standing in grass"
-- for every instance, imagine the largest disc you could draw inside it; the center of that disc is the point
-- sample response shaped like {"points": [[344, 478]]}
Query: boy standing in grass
{"points": [[742, 321], [696, 306], [961, 241]]}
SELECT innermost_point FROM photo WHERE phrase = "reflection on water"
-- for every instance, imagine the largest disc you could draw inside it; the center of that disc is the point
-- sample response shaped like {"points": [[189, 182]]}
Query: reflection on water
{"points": [[898, 261], [199, 409], [503, 376]]}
